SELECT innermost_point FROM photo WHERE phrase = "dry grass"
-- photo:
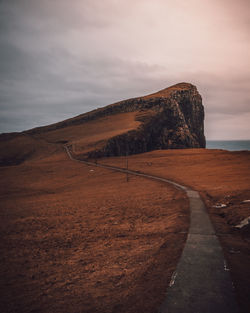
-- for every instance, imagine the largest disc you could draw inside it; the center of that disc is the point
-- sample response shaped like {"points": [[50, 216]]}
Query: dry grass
{"points": [[81, 239], [89, 135]]}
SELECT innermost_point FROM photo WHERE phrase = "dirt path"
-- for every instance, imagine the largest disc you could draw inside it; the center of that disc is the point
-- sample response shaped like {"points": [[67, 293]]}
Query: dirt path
{"points": [[202, 281]]}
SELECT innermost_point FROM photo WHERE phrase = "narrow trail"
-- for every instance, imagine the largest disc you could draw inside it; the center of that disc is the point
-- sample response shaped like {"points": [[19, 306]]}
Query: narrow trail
{"points": [[201, 282]]}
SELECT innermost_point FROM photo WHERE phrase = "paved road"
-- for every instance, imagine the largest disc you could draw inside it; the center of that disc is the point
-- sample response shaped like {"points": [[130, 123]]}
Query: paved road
{"points": [[201, 282]]}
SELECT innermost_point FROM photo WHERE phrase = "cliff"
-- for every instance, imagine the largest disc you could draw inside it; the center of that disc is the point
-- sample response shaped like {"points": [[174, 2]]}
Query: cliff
{"points": [[173, 118]]}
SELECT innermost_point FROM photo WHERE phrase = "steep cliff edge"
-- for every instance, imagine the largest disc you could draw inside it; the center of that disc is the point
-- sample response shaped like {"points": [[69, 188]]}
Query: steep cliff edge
{"points": [[172, 118]]}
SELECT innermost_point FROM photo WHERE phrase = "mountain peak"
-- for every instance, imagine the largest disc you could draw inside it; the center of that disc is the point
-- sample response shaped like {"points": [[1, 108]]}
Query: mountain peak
{"points": [[166, 92], [172, 118]]}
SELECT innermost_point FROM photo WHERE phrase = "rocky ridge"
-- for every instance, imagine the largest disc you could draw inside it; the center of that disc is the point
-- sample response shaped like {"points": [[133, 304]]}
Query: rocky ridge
{"points": [[170, 119]]}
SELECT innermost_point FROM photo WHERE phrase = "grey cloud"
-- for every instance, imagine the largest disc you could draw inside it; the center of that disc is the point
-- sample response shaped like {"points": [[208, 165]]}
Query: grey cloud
{"points": [[59, 15], [63, 86], [55, 61]]}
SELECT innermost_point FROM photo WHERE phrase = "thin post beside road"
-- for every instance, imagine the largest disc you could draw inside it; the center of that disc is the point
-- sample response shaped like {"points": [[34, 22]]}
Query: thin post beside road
{"points": [[127, 169]]}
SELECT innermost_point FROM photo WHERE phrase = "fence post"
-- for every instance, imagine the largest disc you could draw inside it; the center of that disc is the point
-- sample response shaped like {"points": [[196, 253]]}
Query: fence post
{"points": [[127, 167]]}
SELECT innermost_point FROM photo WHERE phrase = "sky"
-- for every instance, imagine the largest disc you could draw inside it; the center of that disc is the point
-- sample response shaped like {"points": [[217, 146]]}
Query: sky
{"points": [[61, 58]]}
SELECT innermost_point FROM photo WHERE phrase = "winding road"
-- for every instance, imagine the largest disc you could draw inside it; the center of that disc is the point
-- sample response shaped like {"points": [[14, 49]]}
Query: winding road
{"points": [[201, 282]]}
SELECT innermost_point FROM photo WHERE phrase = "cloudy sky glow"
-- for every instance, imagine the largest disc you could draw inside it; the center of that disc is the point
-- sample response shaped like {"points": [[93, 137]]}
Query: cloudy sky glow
{"points": [[61, 58]]}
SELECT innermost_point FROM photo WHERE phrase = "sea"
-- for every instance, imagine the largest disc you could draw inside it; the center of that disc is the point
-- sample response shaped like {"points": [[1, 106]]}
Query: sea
{"points": [[230, 145]]}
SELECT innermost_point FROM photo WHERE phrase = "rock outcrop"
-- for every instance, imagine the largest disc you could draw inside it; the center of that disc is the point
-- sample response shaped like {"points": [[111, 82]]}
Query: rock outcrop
{"points": [[170, 119]]}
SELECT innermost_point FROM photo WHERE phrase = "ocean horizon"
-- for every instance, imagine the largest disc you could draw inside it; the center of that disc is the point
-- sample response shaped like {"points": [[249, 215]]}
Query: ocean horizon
{"points": [[230, 145]]}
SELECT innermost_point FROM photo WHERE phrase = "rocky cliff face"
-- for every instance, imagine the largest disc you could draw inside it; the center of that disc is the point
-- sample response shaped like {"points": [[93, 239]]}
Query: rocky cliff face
{"points": [[170, 119]]}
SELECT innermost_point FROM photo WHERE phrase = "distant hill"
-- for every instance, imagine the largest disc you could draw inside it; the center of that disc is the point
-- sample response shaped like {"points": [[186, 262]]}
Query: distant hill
{"points": [[172, 118]]}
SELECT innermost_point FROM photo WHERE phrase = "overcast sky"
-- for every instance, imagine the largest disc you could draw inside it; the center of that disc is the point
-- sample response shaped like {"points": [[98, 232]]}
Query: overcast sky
{"points": [[60, 58]]}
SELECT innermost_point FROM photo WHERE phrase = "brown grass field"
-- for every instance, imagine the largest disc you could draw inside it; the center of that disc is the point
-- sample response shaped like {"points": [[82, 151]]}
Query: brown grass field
{"points": [[77, 238]]}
